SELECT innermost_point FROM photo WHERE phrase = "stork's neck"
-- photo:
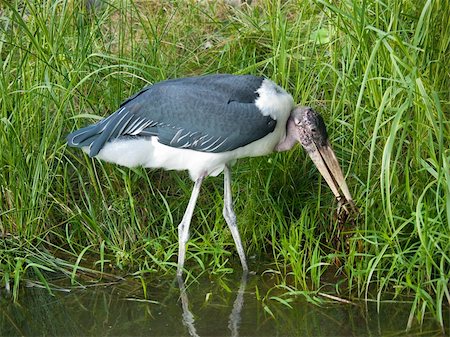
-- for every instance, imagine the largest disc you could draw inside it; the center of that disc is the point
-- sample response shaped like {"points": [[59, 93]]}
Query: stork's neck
{"points": [[289, 140]]}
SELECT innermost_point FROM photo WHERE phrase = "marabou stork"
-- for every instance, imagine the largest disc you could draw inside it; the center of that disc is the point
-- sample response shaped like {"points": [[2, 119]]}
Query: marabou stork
{"points": [[203, 125]]}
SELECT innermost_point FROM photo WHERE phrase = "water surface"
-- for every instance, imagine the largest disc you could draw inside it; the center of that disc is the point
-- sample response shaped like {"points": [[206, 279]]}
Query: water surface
{"points": [[209, 306]]}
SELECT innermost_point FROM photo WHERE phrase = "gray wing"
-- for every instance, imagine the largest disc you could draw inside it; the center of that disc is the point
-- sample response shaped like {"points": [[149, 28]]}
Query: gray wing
{"points": [[213, 113]]}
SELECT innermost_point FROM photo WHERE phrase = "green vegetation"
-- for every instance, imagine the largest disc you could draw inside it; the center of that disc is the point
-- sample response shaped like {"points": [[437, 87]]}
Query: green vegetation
{"points": [[378, 71]]}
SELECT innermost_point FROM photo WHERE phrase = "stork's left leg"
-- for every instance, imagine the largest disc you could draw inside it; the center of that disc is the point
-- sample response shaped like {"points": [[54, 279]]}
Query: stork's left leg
{"points": [[230, 217], [183, 227]]}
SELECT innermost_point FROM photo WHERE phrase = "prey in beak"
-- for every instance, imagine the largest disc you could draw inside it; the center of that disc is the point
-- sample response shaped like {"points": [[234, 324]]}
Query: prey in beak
{"points": [[307, 127]]}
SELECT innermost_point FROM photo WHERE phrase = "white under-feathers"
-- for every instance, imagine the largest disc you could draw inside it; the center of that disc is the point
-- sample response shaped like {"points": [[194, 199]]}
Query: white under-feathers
{"points": [[273, 101]]}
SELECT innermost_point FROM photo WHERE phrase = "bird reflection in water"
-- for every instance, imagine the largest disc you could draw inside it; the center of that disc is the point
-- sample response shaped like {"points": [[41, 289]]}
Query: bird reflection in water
{"points": [[235, 316]]}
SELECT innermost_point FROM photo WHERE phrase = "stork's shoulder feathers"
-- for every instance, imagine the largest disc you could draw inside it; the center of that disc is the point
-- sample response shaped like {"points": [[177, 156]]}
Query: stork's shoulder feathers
{"points": [[214, 113]]}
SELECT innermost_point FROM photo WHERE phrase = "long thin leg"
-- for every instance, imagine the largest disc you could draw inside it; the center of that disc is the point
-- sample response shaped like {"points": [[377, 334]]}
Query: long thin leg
{"points": [[230, 217], [183, 227]]}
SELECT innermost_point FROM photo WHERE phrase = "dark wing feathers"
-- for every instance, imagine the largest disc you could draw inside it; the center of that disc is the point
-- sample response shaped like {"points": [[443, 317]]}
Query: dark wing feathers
{"points": [[220, 134], [213, 113]]}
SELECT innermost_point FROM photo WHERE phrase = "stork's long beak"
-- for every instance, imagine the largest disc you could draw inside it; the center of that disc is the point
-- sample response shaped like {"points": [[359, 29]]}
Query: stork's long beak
{"points": [[324, 158]]}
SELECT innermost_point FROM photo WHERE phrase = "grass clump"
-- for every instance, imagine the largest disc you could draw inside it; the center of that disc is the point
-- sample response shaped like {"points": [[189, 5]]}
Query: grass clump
{"points": [[377, 70]]}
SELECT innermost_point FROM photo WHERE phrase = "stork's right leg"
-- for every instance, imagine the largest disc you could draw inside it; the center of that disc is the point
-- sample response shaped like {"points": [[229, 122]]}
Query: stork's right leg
{"points": [[230, 217], [183, 227]]}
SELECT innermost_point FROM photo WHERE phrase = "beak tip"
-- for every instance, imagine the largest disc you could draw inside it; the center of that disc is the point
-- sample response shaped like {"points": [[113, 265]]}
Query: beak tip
{"points": [[347, 205]]}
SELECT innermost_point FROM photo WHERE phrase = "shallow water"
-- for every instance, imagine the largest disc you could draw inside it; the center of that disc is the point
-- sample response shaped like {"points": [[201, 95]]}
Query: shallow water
{"points": [[227, 306]]}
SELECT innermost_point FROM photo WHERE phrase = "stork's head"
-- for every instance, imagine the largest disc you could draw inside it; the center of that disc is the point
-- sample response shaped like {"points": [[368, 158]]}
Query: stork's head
{"points": [[307, 127]]}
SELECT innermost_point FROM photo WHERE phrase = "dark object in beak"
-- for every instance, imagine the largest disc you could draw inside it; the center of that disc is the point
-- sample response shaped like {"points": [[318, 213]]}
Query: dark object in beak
{"points": [[312, 134]]}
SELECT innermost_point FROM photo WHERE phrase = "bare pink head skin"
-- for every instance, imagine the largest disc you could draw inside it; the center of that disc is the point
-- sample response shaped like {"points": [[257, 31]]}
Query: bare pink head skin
{"points": [[305, 126]]}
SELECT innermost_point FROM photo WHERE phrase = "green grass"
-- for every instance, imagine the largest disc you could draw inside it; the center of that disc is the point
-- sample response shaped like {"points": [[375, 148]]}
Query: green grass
{"points": [[378, 71]]}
